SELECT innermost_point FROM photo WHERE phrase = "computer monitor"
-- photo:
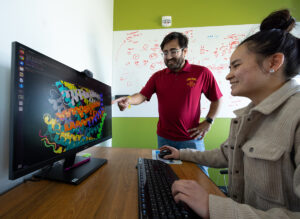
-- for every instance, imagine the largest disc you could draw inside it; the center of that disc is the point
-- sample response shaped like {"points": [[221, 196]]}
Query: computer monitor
{"points": [[56, 112]]}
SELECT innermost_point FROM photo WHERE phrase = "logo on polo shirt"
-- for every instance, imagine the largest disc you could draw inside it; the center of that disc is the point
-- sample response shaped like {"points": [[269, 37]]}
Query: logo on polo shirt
{"points": [[191, 82]]}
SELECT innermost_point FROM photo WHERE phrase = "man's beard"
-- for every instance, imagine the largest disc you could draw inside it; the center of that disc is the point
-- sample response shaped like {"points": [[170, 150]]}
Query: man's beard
{"points": [[175, 64]]}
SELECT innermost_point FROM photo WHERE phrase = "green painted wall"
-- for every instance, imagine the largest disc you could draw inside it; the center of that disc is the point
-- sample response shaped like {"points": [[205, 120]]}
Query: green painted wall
{"points": [[142, 14], [140, 132]]}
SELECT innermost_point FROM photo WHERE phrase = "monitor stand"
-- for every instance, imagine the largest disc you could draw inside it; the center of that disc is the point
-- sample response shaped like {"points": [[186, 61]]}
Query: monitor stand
{"points": [[74, 174]]}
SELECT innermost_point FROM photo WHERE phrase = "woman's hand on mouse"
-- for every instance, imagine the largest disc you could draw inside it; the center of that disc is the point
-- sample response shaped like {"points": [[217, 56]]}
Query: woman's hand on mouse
{"points": [[174, 152]]}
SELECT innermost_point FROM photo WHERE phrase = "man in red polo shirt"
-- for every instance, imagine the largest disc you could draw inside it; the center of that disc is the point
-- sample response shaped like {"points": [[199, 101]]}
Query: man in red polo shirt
{"points": [[178, 89]]}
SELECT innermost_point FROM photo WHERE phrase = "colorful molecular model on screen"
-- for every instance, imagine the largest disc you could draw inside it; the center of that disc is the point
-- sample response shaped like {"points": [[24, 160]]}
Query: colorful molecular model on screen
{"points": [[78, 118]]}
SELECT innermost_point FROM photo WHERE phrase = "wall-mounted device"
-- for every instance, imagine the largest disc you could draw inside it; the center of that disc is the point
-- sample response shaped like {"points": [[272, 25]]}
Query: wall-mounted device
{"points": [[166, 21]]}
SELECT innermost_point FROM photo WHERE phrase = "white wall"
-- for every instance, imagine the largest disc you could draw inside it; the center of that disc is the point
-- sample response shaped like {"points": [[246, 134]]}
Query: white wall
{"points": [[75, 32]]}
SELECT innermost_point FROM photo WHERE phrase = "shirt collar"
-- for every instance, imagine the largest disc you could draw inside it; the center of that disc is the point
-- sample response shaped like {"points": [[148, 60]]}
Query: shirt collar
{"points": [[186, 68], [273, 101]]}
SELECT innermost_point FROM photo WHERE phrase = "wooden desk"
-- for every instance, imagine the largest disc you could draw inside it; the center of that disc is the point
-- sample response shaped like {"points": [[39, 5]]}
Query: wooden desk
{"points": [[110, 192]]}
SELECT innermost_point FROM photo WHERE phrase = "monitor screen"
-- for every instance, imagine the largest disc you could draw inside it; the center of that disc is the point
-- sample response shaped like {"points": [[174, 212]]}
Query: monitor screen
{"points": [[56, 112]]}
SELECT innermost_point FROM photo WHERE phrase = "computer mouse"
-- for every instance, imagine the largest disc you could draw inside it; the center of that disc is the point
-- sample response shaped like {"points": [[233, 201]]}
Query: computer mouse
{"points": [[164, 153]]}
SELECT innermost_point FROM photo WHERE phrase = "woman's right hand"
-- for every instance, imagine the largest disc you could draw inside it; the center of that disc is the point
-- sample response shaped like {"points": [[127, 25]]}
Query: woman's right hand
{"points": [[174, 152]]}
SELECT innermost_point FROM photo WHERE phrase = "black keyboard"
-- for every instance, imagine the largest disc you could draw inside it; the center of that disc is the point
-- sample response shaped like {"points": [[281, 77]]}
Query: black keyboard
{"points": [[155, 179]]}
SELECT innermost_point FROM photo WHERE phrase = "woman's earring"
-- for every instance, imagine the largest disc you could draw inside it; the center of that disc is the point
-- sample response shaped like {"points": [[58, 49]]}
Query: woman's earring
{"points": [[272, 70]]}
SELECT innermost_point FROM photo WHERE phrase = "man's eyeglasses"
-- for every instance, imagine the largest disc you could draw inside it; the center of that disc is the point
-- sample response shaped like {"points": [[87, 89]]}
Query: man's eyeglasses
{"points": [[173, 52]]}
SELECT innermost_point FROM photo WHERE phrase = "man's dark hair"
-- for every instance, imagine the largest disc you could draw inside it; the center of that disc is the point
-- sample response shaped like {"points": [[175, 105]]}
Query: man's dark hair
{"points": [[182, 39]]}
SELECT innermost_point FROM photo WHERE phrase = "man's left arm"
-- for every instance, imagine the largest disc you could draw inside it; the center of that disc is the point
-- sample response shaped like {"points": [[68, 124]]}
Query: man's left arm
{"points": [[204, 126]]}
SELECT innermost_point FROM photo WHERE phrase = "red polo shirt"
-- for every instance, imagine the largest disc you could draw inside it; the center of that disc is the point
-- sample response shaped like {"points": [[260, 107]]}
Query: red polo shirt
{"points": [[179, 96]]}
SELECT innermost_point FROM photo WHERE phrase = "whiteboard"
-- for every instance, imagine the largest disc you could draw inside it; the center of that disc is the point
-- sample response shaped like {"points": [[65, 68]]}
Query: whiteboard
{"points": [[136, 56]]}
